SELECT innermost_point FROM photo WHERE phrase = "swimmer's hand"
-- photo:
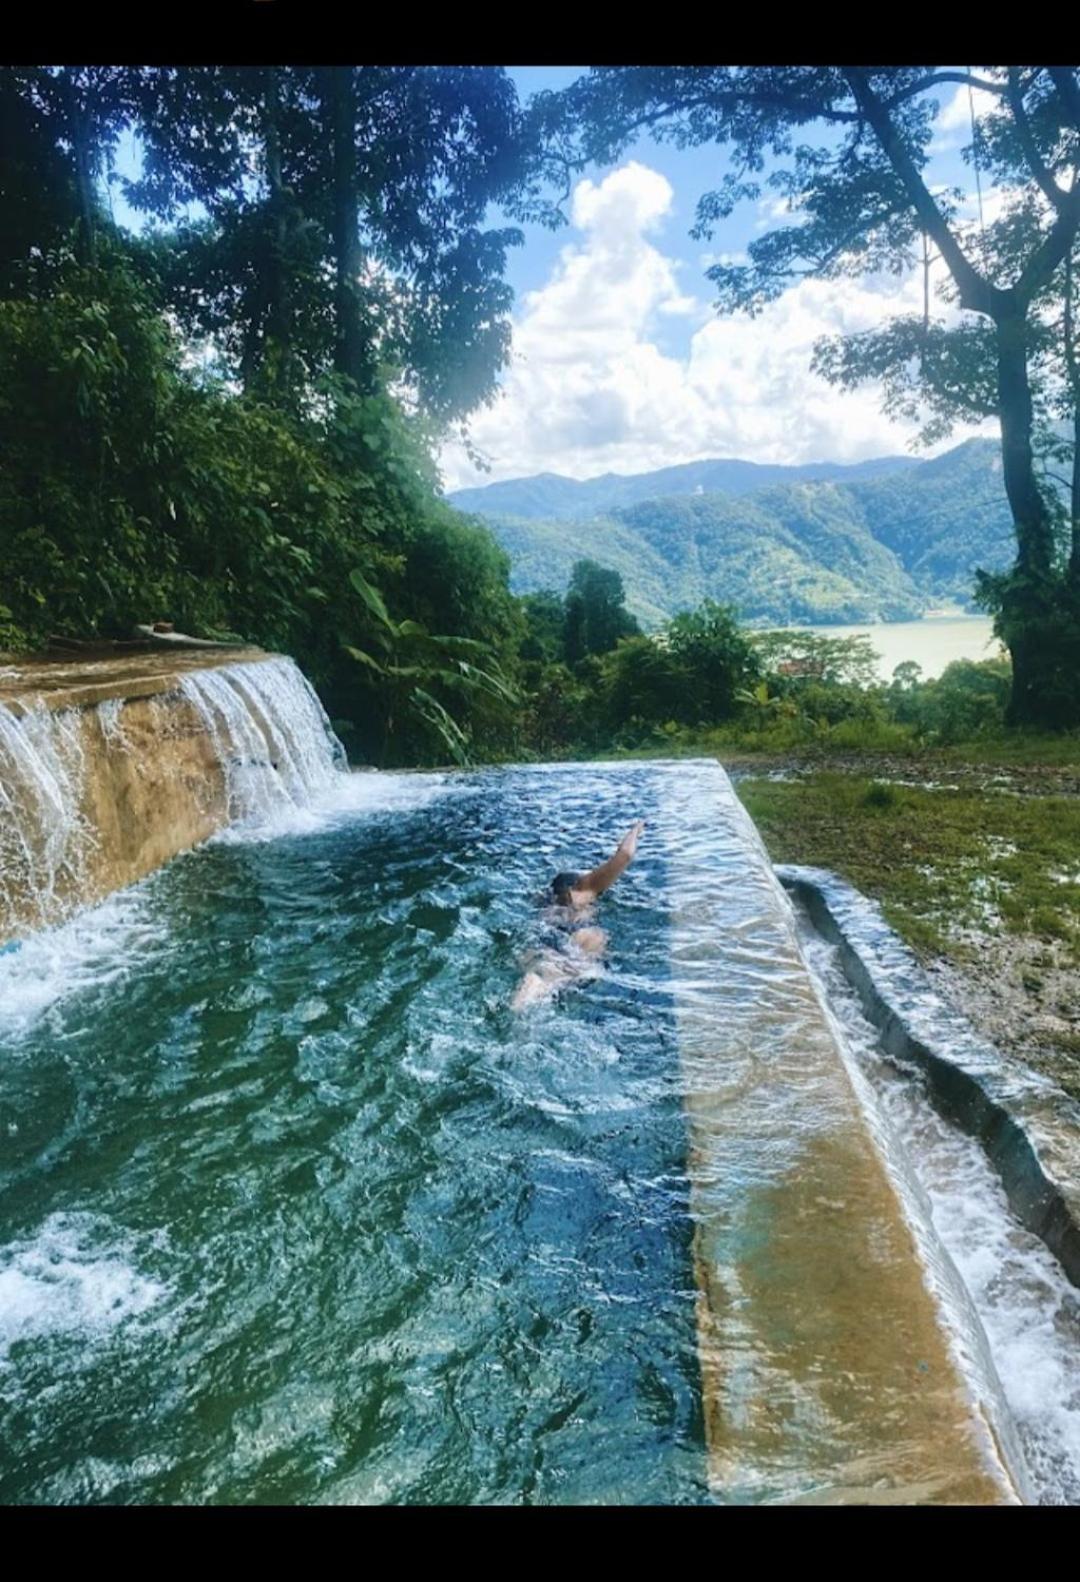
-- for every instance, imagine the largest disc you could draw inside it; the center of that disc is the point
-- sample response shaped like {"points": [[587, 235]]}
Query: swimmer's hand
{"points": [[602, 878]]}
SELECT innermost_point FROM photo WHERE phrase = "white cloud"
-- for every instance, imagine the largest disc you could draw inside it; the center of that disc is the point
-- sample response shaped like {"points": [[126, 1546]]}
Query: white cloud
{"points": [[589, 389], [952, 128]]}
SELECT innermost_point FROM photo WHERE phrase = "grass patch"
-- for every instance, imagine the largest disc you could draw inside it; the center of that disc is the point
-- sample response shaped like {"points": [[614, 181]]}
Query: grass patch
{"points": [[941, 861], [1019, 747]]}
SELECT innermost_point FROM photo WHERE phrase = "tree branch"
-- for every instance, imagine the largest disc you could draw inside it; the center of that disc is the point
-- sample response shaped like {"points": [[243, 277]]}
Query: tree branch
{"points": [[1067, 91], [932, 79], [976, 293], [732, 99], [1058, 243], [1056, 194]]}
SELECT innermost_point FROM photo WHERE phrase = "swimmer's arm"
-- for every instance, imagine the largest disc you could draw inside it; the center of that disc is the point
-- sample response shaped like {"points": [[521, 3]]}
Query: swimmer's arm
{"points": [[602, 878]]}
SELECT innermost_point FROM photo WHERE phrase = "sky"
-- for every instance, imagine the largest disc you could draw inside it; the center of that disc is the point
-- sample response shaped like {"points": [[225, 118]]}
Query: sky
{"points": [[620, 362]]}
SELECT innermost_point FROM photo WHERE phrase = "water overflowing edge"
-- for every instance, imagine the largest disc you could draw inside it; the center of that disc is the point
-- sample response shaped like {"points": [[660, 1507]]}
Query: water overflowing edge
{"points": [[1026, 1306], [969, 1082], [991, 1422]]}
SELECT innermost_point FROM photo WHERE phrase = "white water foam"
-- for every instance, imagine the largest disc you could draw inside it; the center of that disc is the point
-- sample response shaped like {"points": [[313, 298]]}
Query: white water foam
{"points": [[98, 946], [349, 796], [271, 733], [1028, 1310], [75, 1276]]}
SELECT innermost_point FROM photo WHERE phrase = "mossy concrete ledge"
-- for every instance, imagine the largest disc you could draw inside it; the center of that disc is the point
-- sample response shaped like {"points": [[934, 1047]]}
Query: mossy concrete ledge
{"points": [[1028, 1127]]}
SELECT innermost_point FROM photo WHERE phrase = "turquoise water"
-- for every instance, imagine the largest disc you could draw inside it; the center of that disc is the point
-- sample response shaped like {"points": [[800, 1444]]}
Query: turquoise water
{"points": [[293, 1209]]}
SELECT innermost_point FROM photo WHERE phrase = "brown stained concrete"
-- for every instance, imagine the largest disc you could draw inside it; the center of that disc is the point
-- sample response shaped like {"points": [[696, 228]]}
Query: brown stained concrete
{"points": [[828, 1376], [152, 783], [60, 681]]}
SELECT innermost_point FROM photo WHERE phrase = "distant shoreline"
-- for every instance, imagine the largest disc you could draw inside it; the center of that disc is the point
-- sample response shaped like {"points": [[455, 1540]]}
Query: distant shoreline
{"points": [[932, 641], [903, 620]]}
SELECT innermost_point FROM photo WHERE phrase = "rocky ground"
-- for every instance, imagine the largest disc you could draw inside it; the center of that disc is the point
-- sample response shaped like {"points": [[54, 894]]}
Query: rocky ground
{"points": [[1022, 997]]}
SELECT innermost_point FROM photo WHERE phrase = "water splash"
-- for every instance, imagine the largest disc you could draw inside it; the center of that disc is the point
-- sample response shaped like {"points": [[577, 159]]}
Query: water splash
{"points": [[71, 1277]]}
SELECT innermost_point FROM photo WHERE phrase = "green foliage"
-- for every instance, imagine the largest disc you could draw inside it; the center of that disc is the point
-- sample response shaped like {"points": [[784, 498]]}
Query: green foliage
{"points": [[596, 617], [796, 658], [967, 701], [1037, 616], [135, 490], [944, 860], [716, 657], [879, 794], [413, 663], [643, 688], [644, 684], [545, 620]]}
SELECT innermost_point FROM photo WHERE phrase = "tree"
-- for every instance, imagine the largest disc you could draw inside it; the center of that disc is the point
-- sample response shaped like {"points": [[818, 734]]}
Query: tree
{"points": [[717, 657], [839, 661], [545, 622], [347, 204], [59, 125], [857, 184], [412, 664], [37, 182], [596, 613], [644, 682]]}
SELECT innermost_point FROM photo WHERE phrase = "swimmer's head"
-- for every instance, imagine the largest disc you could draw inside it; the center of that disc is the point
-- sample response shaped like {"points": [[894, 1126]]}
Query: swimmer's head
{"points": [[560, 887]]}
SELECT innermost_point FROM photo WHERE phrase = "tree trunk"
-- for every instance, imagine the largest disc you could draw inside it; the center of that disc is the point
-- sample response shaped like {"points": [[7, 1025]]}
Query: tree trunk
{"points": [[1027, 605], [1072, 365], [351, 353], [1031, 514], [278, 352], [82, 158], [1030, 616]]}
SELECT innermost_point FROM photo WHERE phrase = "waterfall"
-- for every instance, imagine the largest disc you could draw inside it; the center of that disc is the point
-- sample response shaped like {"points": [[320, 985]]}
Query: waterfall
{"points": [[44, 834], [95, 796], [273, 739]]}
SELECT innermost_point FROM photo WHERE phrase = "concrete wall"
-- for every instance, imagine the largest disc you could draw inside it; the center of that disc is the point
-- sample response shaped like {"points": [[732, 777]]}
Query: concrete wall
{"points": [[136, 773]]}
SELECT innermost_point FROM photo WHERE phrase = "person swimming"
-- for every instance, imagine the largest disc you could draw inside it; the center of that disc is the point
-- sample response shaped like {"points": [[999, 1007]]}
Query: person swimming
{"points": [[577, 953]]}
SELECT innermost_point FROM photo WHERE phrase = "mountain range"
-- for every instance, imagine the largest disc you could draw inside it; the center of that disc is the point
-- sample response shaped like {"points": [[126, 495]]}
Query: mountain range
{"points": [[886, 539]]}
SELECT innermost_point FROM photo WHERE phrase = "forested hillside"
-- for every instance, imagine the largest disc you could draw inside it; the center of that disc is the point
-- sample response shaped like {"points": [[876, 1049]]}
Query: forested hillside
{"points": [[882, 545]]}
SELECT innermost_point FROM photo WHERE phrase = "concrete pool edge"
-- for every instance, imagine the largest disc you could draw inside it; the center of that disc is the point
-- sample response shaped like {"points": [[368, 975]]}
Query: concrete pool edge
{"points": [[1022, 1120], [831, 1370]]}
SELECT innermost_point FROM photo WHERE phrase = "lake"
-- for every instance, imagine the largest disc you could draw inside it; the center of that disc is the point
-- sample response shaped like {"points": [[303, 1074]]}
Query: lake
{"points": [[932, 643]]}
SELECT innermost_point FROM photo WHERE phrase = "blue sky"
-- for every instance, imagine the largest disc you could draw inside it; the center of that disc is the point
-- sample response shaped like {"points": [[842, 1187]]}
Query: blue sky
{"points": [[620, 362], [690, 172]]}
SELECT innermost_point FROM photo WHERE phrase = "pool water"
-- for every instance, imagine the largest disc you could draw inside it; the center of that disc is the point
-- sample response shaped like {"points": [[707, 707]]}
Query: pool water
{"points": [[293, 1209]]}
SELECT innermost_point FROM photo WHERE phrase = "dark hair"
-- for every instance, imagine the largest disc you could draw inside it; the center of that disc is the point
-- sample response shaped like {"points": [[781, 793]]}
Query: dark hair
{"points": [[561, 886]]}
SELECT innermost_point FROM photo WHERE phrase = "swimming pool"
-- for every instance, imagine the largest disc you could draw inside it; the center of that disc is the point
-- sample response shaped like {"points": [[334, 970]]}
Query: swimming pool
{"points": [[295, 1210]]}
